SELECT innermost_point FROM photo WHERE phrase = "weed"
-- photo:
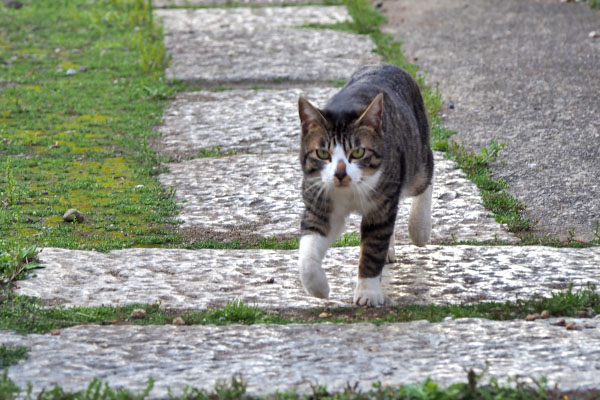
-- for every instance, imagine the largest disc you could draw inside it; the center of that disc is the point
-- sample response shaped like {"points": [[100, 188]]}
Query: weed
{"points": [[347, 239], [16, 260], [214, 151], [11, 196], [11, 355]]}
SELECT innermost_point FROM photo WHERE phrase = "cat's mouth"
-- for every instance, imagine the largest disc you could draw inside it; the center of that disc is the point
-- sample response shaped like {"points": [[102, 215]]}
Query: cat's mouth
{"points": [[342, 183]]}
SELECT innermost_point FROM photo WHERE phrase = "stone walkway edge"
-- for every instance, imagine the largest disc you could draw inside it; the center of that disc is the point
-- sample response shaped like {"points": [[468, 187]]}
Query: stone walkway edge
{"points": [[202, 279], [295, 357]]}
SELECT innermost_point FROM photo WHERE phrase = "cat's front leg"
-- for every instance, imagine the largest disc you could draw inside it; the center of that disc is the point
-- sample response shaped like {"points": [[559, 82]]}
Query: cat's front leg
{"points": [[313, 247], [312, 251], [374, 249]]}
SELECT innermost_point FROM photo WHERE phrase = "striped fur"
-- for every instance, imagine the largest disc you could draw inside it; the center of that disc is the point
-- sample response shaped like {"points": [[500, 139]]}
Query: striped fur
{"points": [[363, 152]]}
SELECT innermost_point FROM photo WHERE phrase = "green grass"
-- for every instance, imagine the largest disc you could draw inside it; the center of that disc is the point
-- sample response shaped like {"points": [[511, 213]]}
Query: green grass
{"points": [[16, 260], [25, 315], [80, 140], [472, 389], [11, 355]]}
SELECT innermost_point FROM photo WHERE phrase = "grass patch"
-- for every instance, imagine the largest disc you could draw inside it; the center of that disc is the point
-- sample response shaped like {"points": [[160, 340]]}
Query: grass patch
{"points": [[214, 151], [11, 355], [16, 260], [473, 388], [83, 87], [27, 315]]}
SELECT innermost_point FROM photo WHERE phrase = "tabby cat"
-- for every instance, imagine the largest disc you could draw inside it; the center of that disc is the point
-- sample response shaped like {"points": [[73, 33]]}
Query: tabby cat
{"points": [[367, 149]]}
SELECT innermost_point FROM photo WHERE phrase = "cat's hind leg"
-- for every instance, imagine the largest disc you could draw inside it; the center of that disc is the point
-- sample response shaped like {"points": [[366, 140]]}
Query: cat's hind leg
{"points": [[419, 220], [391, 254]]}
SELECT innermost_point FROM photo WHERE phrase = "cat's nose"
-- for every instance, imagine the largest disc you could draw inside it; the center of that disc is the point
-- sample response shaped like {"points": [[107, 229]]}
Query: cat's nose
{"points": [[340, 174], [340, 170]]}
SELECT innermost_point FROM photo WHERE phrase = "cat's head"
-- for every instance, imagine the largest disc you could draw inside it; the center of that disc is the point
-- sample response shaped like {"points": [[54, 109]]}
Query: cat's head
{"points": [[343, 150]]}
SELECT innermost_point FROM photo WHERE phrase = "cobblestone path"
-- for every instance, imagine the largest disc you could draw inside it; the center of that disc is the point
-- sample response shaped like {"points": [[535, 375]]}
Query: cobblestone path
{"points": [[267, 61]]}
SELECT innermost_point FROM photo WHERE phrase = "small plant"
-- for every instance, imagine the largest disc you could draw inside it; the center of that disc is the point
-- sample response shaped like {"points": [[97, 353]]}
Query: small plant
{"points": [[11, 196], [347, 239], [214, 151], [16, 260], [11, 355]]}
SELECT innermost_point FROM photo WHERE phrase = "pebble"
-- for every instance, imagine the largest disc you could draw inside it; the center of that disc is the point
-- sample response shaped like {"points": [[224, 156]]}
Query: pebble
{"points": [[70, 71], [138, 313], [571, 326], [178, 321], [271, 280], [545, 314], [448, 196], [55, 332], [73, 215], [594, 34], [532, 317], [324, 315], [13, 4]]}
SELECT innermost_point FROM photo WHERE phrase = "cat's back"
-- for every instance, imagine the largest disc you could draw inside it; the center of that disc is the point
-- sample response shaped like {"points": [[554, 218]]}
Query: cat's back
{"points": [[372, 79]]}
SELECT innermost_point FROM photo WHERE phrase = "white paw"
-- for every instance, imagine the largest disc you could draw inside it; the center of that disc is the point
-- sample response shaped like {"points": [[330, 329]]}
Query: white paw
{"points": [[368, 292], [314, 280], [419, 233]]}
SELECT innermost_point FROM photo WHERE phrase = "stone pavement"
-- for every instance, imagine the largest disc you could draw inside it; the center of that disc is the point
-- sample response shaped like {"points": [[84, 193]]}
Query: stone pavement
{"points": [[286, 357], [523, 73], [267, 62]]}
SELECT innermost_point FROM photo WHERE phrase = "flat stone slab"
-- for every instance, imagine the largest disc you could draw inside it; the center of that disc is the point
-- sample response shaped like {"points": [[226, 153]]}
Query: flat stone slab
{"points": [[243, 121], [491, 59], [200, 279], [261, 45], [229, 3], [249, 195], [294, 357]]}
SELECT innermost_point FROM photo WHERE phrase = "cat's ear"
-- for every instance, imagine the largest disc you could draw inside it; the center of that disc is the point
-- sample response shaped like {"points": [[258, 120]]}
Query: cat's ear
{"points": [[309, 113], [372, 115]]}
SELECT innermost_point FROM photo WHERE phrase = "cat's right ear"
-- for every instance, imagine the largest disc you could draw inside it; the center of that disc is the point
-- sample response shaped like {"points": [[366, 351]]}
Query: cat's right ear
{"points": [[309, 113]]}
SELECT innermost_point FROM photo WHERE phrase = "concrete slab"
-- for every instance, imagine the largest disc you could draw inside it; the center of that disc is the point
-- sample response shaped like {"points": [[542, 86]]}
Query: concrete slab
{"points": [[295, 357], [247, 19], [243, 196], [200, 279], [231, 3], [243, 121], [211, 46], [524, 73]]}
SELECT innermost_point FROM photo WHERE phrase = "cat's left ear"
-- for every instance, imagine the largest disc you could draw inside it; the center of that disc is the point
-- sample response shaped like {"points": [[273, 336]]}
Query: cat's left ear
{"points": [[372, 115], [309, 113]]}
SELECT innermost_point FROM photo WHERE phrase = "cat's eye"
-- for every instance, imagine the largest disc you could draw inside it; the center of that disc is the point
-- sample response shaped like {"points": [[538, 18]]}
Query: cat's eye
{"points": [[323, 154], [358, 153]]}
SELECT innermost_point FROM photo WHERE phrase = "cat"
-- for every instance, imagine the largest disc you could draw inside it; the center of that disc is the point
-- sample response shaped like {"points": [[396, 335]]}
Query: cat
{"points": [[367, 149]]}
